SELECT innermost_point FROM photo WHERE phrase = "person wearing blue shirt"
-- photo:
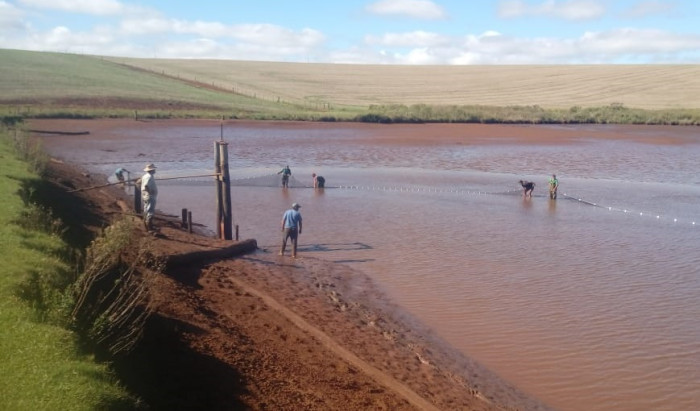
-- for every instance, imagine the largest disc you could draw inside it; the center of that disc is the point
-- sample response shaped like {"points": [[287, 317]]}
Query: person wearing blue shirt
{"points": [[291, 227]]}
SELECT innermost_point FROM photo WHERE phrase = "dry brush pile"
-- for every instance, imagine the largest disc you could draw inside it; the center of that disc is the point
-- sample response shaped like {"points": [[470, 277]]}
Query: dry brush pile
{"points": [[112, 300]]}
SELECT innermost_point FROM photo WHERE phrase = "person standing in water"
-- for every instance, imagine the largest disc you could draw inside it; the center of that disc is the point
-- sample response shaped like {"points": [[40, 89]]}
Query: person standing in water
{"points": [[286, 172], [149, 194], [291, 227], [553, 186]]}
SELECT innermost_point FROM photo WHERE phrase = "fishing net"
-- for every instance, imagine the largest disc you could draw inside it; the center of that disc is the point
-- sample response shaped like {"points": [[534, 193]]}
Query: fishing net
{"points": [[270, 180]]}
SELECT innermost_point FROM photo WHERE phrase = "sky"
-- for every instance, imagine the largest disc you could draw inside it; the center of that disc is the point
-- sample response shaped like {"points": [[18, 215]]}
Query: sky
{"points": [[404, 32]]}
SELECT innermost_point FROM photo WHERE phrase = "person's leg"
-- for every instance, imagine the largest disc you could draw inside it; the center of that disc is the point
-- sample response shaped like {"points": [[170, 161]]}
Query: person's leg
{"points": [[285, 235], [149, 209], [294, 237], [147, 213]]}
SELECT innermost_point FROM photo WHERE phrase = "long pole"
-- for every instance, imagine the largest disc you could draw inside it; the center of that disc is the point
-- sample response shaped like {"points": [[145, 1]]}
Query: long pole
{"points": [[226, 187], [217, 167]]}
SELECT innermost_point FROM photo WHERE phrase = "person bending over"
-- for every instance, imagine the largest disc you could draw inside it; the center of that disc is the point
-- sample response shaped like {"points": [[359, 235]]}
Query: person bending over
{"points": [[319, 181], [528, 186]]}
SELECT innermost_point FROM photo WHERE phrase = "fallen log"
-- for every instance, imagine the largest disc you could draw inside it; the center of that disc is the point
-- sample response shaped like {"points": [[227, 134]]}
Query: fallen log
{"points": [[64, 133], [194, 257]]}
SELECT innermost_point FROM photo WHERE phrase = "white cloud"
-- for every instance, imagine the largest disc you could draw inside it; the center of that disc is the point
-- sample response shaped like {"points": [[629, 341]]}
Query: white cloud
{"points": [[156, 25], [412, 39], [276, 36], [100, 8], [419, 9], [63, 39], [613, 46], [635, 42], [649, 8], [93, 7], [262, 34], [567, 10], [10, 17], [151, 35], [420, 56]]}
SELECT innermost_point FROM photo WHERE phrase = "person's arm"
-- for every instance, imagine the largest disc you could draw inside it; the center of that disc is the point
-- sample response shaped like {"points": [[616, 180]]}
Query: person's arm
{"points": [[299, 226]]}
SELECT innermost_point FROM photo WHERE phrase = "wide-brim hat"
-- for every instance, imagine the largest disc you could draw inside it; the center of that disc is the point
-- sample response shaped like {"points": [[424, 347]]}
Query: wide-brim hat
{"points": [[150, 167], [295, 206]]}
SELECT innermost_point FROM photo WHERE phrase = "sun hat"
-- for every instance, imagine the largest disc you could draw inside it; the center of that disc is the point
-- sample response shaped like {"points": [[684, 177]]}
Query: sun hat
{"points": [[150, 167], [295, 206]]}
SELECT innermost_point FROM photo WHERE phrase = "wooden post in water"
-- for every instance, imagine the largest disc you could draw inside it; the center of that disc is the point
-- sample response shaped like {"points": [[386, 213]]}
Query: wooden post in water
{"points": [[137, 198], [236, 232], [189, 222], [184, 217], [217, 170], [226, 216]]}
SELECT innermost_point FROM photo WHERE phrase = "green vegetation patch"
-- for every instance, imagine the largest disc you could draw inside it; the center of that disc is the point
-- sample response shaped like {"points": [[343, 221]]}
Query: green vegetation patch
{"points": [[43, 368]]}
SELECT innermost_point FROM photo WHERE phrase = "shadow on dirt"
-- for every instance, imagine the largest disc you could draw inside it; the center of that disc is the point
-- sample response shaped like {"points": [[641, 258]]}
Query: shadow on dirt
{"points": [[168, 375]]}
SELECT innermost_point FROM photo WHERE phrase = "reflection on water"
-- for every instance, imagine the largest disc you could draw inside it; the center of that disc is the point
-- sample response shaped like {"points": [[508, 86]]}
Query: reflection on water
{"points": [[587, 302]]}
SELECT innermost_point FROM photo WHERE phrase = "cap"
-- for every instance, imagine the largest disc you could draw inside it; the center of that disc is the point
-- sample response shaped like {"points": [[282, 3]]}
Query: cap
{"points": [[295, 206], [150, 167]]}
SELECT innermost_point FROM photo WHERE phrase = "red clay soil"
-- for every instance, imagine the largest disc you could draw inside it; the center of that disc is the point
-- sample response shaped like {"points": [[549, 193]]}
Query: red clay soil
{"points": [[258, 331]]}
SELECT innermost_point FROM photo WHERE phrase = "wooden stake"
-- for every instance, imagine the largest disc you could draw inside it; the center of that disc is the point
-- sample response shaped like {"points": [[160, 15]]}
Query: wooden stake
{"points": [[226, 189], [137, 198], [217, 169]]}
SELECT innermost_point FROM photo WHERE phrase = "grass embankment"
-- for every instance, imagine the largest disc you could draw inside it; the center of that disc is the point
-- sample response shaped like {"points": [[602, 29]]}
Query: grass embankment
{"points": [[43, 367], [42, 84]]}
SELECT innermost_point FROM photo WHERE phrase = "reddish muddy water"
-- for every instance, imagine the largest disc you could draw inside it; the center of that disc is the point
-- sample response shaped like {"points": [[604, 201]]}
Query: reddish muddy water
{"points": [[587, 302]]}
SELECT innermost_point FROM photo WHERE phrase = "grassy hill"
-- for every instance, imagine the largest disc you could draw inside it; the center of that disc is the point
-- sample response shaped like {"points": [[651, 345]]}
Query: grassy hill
{"points": [[53, 84], [47, 82]]}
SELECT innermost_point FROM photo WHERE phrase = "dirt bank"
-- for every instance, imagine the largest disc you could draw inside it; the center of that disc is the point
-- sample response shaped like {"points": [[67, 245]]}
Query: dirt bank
{"points": [[260, 331]]}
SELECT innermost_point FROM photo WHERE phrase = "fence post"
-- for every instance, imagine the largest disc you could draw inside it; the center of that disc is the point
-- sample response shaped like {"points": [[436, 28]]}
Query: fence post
{"points": [[137, 198], [217, 170], [226, 219]]}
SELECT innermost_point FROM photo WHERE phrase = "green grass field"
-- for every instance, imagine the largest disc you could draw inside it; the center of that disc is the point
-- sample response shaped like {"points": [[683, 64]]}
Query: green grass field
{"points": [[42, 367]]}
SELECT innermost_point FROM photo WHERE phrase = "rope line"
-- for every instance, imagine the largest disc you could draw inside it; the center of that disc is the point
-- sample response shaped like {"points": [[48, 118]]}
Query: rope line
{"points": [[655, 216], [136, 179]]}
